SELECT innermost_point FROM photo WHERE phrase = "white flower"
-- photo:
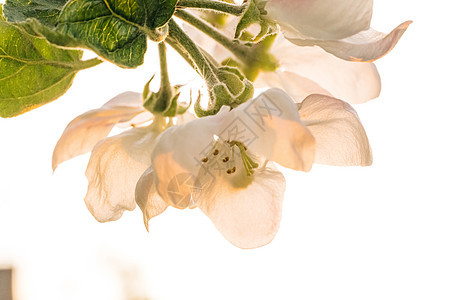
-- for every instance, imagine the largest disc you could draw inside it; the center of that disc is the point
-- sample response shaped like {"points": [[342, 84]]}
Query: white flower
{"points": [[83, 132], [116, 162], [310, 70], [339, 27], [223, 163]]}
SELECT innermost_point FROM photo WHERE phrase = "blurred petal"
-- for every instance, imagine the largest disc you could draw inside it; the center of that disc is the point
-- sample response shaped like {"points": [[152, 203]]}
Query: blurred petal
{"points": [[114, 168], [247, 217], [365, 46], [177, 157], [269, 125], [340, 137], [354, 82], [298, 87], [322, 19], [147, 198], [81, 135]]}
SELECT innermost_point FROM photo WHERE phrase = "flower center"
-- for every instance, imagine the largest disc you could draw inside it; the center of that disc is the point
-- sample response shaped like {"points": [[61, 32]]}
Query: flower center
{"points": [[223, 157]]}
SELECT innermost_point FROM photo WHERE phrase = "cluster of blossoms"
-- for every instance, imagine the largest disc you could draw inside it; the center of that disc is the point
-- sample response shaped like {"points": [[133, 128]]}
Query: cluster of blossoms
{"points": [[307, 55]]}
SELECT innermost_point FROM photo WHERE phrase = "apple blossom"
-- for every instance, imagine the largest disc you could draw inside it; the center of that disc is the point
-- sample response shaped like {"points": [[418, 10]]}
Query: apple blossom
{"points": [[225, 161], [223, 164], [82, 133], [339, 27], [116, 162], [310, 70]]}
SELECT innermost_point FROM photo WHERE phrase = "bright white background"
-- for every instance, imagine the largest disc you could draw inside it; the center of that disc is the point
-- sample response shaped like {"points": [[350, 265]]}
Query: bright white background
{"points": [[347, 233]]}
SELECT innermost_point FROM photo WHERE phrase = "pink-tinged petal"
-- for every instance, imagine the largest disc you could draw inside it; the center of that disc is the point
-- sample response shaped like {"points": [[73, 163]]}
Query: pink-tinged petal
{"points": [[131, 99], [298, 87], [114, 168], [147, 198], [82, 133], [269, 125], [177, 157], [340, 137], [138, 120], [366, 46], [247, 217], [322, 19], [354, 82]]}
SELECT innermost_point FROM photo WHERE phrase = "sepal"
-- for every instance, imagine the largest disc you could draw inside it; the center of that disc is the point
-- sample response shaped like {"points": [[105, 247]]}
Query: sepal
{"points": [[165, 101], [255, 14], [234, 89], [260, 60]]}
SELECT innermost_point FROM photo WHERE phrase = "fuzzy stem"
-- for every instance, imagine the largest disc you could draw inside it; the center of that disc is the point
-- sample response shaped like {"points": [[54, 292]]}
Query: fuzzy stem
{"points": [[241, 52], [165, 90], [203, 65], [183, 53], [165, 82]]}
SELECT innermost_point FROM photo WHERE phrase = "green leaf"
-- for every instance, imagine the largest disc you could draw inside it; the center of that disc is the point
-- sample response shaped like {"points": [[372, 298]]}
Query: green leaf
{"points": [[255, 13], [46, 11], [117, 30], [160, 12], [106, 29], [33, 72]]}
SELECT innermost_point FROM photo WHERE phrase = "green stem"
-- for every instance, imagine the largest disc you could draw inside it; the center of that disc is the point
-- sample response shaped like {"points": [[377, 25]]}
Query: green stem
{"points": [[183, 53], [165, 90], [165, 82], [241, 52], [254, 57], [219, 6], [203, 65]]}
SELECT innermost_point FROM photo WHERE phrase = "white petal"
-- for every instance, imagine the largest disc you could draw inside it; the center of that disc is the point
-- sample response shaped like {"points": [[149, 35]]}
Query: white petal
{"points": [[269, 125], [131, 99], [247, 217], [355, 82], [365, 46], [114, 168], [298, 87], [147, 198], [138, 120], [322, 19], [340, 136], [82, 133], [177, 157]]}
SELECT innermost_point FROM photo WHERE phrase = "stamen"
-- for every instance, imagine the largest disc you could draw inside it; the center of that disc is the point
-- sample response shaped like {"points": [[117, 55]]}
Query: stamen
{"points": [[249, 164], [231, 171], [216, 152], [205, 160], [226, 159]]}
